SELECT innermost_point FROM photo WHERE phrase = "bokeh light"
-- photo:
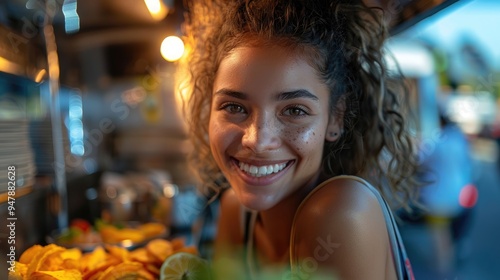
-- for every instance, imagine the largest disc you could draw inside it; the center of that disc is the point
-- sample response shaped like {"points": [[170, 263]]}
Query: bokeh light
{"points": [[172, 48]]}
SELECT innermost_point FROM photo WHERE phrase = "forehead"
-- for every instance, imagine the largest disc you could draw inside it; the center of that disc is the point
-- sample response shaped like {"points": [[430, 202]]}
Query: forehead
{"points": [[266, 65]]}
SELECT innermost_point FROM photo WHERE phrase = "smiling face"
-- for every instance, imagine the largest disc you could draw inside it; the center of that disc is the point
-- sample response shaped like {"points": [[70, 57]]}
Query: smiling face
{"points": [[268, 123]]}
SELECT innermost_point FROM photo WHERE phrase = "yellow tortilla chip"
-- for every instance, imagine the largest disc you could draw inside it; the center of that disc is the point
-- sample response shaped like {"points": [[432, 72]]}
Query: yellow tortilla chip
{"points": [[95, 276], [41, 256], [73, 254], [71, 274], [126, 269], [18, 272], [119, 252], [178, 243], [188, 249], [93, 259], [141, 255], [153, 269], [113, 235], [160, 249], [71, 264], [145, 274], [52, 262], [27, 256], [90, 274], [152, 229]]}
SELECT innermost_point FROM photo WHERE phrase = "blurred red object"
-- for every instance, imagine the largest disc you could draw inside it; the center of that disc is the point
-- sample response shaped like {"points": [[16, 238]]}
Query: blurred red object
{"points": [[468, 196], [81, 224]]}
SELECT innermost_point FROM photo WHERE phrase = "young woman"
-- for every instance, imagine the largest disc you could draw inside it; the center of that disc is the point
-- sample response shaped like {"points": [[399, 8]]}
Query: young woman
{"points": [[289, 108]]}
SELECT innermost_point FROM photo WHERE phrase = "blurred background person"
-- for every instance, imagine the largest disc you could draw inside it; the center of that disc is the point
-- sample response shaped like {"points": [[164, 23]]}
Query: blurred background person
{"points": [[448, 198]]}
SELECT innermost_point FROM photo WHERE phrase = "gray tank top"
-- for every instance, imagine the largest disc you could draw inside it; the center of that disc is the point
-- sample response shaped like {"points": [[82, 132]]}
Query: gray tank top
{"points": [[401, 260]]}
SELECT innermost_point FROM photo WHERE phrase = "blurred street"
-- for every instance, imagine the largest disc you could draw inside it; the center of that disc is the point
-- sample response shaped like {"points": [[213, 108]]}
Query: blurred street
{"points": [[477, 254]]}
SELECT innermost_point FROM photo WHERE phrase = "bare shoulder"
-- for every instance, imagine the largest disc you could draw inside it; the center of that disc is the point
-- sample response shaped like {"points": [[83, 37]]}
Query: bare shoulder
{"points": [[342, 228], [340, 197]]}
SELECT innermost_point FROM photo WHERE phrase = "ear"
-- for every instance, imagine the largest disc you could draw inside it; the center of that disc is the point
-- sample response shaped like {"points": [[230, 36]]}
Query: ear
{"points": [[334, 129], [335, 126]]}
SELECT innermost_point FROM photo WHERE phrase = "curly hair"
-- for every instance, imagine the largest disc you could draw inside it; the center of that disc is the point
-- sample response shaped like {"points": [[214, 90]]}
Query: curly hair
{"points": [[344, 43]]}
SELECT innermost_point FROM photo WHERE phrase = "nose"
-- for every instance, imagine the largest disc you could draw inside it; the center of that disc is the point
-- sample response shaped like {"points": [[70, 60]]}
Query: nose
{"points": [[261, 134]]}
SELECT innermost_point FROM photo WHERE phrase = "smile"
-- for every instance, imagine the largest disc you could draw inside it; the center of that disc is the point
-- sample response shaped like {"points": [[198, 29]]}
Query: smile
{"points": [[259, 171]]}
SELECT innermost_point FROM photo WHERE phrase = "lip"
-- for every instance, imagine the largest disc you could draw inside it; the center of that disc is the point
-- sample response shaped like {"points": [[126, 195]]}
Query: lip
{"points": [[263, 180]]}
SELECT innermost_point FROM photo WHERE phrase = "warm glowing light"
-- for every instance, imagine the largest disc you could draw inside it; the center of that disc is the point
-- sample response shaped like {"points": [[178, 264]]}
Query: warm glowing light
{"points": [[172, 48], [156, 8], [127, 243], [40, 75], [9, 67]]}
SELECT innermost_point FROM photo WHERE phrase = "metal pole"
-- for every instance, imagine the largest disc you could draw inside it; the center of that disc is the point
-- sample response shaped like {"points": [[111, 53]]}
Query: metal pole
{"points": [[55, 113]]}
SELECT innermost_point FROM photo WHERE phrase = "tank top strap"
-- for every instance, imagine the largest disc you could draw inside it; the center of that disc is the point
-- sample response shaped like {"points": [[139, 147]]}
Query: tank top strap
{"points": [[401, 260], [248, 219]]}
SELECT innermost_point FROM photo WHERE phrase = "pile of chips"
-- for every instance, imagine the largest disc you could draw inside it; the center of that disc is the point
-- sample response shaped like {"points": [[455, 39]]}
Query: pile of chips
{"points": [[103, 263]]}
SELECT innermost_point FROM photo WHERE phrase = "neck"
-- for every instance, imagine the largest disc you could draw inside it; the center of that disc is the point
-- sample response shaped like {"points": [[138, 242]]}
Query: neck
{"points": [[274, 225]]}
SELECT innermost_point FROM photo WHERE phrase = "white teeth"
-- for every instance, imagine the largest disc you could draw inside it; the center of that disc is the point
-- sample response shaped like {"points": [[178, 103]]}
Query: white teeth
{"points": [[270, 169], [253, 169], [262, 170], [259, 171]]}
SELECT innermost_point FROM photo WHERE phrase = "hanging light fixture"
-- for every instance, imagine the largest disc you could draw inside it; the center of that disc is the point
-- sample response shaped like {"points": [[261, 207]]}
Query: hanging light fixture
{"points": [[157, 9]]}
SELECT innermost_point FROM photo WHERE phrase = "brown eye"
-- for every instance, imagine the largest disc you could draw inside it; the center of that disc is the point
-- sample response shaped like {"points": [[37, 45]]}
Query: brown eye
{"points": [[295, 111], [232, 108]]}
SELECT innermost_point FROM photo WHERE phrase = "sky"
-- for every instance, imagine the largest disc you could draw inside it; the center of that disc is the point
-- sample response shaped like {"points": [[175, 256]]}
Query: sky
{"points": [[476, 19]]}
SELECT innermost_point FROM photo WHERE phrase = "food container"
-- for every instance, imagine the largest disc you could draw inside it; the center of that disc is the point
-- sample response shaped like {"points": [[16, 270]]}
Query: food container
{"points": [[137, 197]]}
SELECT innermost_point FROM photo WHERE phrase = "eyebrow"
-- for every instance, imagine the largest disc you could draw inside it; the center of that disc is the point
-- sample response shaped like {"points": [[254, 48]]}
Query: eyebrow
{"points": [[287, 95], [300, 93], [232, 93]]}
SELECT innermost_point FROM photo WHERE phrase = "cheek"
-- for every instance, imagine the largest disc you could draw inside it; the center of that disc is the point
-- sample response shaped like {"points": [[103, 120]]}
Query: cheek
{"points": [[215, 137], [215, 126], [220, 137], [306, 139]]}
